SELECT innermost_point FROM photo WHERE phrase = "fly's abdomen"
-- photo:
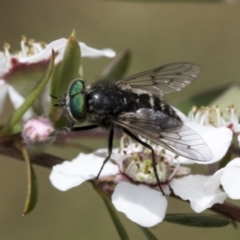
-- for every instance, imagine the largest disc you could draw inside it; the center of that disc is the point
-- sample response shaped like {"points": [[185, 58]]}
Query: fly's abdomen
{"points": [[153, 102], [160, 105]]}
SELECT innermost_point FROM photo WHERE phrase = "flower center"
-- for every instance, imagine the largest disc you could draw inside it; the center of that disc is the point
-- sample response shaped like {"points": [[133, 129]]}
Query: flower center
{"points": [[139, 168], [213, 116]]}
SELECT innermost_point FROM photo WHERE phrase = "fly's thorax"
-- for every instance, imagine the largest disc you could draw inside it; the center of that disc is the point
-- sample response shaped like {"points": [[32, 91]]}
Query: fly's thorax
{"points": [[104, 102], [76, 102]]}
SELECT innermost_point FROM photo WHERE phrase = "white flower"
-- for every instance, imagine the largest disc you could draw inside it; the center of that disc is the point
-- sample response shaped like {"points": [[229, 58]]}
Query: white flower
{"points": [[211, 126], [34, 58], [228, 177], [137, 193], [233, 122], [38, 53]]}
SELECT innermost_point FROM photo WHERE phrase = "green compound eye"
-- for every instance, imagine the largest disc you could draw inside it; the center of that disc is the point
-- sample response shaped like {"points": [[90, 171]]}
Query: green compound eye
{"points": [[77, 100], [76, 87]]}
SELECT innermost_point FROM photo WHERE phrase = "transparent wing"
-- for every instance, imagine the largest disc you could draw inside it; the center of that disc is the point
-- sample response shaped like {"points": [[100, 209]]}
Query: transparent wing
{"points": [[168, 132], [161, 80]]}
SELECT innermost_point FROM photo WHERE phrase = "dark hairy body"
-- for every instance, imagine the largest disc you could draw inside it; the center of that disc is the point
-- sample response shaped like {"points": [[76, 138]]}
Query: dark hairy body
{"points": [[106, 101]]}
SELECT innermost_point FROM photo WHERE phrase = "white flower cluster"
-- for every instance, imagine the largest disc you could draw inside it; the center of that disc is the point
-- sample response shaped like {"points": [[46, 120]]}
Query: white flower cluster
{"points": [[136, 192]]}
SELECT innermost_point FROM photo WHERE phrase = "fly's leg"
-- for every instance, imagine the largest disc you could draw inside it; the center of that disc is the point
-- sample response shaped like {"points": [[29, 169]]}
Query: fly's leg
{"points": [[110, 146], [153, 155], [82, 128], [69, 128]]}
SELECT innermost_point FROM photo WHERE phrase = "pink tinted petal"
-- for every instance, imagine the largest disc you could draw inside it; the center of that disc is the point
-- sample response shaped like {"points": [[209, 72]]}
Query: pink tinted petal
{"points": [[84, 167], [141, 204], [230, 181], [217, 139], [192, 188]]}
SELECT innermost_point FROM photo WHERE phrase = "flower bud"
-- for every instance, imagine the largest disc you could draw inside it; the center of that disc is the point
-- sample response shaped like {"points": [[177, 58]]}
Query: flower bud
{"points": [[36, 131]]}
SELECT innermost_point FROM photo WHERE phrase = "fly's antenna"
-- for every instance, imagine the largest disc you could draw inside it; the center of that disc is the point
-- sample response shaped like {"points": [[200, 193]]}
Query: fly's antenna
{"points": [[61, 101], [53, 96]]}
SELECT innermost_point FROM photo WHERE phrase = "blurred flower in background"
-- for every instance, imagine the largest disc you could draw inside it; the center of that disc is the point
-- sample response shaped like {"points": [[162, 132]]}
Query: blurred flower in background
{"points": [[20, 72]]}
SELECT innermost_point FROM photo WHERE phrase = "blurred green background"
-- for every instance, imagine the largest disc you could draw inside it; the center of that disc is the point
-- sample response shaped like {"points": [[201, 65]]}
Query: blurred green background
{"points": [[207, 34]]}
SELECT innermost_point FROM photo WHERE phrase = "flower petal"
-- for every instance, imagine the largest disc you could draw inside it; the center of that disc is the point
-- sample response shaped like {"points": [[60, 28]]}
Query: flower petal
{"points": [[59, 47], [217, 139], [192, 188], [141, 204], [230, 179], [3, 64], [3, 94], [84, 167], [214, 182], [87, 51], [234, 163]]}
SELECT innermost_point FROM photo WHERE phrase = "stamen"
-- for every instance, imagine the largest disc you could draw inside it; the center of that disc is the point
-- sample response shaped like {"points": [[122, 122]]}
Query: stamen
{"points": [[122, 145], [219, 118], [232, 113], [6, 48], [24, 48], [191, 113], [175, 170], [204, 118], [37, 48]]}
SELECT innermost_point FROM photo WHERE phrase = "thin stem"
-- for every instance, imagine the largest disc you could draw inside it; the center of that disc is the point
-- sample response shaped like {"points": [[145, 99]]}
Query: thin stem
{"points": [[46, 160]]}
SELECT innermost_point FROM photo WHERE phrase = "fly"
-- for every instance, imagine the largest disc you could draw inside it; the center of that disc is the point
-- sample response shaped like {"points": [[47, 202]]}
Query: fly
{"points": [[134, 105]]}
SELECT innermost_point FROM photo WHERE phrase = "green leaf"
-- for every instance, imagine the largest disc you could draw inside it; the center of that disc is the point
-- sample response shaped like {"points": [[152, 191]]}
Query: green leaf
{"points": [[229, 97], [194, 220], [68, 69], [32, 187], [224, 97], [74, 33], [118, 225], [199, 100], [17, 116], [117, 67], [148, 234]]}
